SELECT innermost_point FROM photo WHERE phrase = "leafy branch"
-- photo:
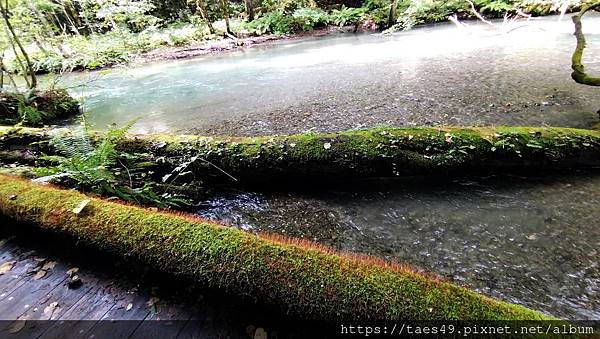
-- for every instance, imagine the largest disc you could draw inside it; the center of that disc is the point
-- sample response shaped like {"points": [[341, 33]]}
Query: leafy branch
{"points": [[99, 167]]}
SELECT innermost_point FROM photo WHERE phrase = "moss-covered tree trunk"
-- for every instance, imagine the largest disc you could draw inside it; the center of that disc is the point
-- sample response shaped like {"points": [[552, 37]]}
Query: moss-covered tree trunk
{"points": [[579, 74], [380, 152]]}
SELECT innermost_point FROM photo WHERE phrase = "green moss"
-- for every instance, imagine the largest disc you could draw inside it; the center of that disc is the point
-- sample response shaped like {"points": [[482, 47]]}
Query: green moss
{"points": [[38, 109], [378, 152], [304, 278]]}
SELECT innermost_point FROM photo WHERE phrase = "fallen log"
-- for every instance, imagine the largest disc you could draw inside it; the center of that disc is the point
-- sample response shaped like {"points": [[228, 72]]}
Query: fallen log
{"points": [[379, 152], [298, 276]]}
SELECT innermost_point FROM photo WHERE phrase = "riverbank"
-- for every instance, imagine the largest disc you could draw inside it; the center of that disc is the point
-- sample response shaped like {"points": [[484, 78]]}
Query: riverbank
{"points": [[230, 44], [144, 36]]}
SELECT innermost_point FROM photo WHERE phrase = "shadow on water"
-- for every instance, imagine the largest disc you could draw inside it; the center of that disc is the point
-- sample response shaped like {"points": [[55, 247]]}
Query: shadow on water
{"points": [[529, 239]]}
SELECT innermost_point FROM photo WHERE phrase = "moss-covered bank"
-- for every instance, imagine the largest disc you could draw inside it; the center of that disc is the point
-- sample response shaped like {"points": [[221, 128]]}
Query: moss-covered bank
{"points": [[304, 278], [380, 152], [38, 108]]}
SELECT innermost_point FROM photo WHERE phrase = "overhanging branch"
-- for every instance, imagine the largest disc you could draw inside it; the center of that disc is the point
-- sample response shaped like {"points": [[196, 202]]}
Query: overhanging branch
{"points": [[579, 74]]}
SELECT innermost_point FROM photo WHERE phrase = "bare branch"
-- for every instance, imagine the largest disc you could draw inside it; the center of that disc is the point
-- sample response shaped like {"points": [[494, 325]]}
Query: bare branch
{"points": [[478, 15]]}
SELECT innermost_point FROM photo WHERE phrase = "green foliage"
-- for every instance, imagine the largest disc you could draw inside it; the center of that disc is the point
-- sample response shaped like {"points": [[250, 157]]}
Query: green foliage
{"points": [[425, 11], [98, 166], [378, 11], [30, 116], [310, 18], [276, 22], [347, 16], [101, 50], [134, 15], [90, 34], [495, 6]]}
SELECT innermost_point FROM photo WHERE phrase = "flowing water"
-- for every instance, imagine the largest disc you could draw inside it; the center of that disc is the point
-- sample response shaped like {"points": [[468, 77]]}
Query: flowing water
{"points": [[443, 74], [530, 240]]}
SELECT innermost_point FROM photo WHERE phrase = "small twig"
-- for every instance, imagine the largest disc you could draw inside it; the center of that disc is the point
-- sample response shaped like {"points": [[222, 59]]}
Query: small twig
{"points": [[523, 14], [206, 161], [128, 174], [217, 167], [522, 26]]}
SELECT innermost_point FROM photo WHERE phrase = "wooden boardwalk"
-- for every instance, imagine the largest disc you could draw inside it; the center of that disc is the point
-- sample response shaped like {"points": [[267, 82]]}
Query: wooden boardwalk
{"points": [[116, 299]]}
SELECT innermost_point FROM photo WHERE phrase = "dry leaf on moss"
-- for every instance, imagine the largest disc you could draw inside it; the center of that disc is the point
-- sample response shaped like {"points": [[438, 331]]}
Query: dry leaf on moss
{"points": [[81, 206]]}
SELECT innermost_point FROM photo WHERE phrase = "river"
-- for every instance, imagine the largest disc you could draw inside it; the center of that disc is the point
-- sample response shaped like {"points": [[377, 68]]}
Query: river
{"points": [[532, 240], [518, 74]]}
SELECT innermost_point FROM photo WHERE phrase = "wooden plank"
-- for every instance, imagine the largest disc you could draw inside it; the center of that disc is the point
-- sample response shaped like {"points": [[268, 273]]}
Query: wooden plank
{"points": [[165, 321], [121, 320], [31, 292], [209, 321], [6, 242], [63, 296], [18, 275], [80, 318], [96, 303]]}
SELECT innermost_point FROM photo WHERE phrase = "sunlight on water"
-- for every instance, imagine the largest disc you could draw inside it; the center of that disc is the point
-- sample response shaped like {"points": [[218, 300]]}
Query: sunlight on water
{"points": [[500, 62]]}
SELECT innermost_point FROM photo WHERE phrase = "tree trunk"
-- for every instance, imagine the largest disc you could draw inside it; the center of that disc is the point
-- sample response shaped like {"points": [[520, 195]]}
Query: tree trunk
{"points": [[225, 8], [249, 9], [388, 152], [579, 74], [201, 7], [29, 71], [393, 13], [2, 71], [72, 18]]}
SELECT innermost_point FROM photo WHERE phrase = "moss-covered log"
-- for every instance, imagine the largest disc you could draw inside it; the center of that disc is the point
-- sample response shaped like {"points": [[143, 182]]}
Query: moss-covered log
{"points": [[38, 109], [304, 278], [380, 152]]}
